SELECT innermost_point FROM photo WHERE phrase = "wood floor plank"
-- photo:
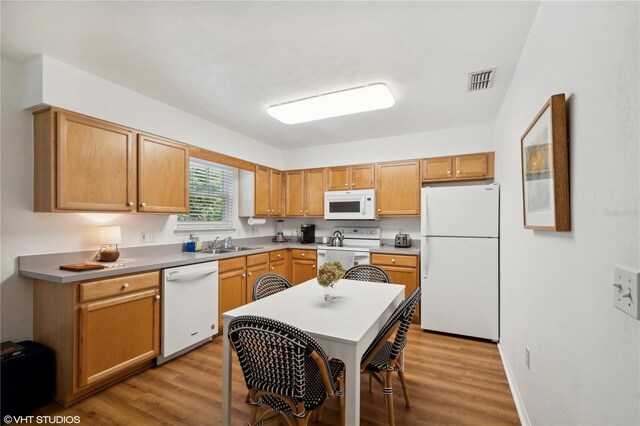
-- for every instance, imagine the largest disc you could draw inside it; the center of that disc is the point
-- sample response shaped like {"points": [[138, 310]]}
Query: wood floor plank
{"points": [[451, 380]]}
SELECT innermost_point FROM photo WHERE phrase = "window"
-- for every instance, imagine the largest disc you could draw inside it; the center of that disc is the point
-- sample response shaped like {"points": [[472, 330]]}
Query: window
{"points": [[210, 196]]}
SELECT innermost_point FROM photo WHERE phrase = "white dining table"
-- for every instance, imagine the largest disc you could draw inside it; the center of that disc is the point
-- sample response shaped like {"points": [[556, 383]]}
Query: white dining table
{"points": [[344, 327]]}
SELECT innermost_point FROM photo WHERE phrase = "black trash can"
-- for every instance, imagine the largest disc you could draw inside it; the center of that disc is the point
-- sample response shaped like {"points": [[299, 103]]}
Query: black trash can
{"points": [[27, 380]]}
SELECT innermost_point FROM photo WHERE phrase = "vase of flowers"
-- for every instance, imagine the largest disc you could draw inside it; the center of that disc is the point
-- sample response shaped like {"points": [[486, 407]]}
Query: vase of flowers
{"points": [[328, 275]]}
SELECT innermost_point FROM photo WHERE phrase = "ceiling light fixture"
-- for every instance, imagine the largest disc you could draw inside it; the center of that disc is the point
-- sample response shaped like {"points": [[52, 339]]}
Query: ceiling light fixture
{"points": [[344, 102]]}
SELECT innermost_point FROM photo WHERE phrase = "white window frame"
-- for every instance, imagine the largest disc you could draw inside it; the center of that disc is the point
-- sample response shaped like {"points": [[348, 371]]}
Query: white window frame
{"points": [[204, 226]]}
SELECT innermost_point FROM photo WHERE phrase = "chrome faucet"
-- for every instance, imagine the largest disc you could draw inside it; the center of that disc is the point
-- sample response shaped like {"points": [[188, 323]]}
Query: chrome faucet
{"points": [[222, 243]]}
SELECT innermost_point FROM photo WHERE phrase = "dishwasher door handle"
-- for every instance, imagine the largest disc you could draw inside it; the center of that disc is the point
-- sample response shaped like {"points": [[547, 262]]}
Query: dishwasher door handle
{"points": [[175, 276]]}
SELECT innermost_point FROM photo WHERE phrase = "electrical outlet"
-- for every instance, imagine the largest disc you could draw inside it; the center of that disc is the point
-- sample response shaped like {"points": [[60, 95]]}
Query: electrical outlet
{"points": [[625, 290], [527, 357], [151, 236], [144, 237]]}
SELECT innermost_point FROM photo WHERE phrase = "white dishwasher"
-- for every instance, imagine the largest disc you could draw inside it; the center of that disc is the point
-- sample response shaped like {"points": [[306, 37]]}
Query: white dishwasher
{"points": [[189, 308]]}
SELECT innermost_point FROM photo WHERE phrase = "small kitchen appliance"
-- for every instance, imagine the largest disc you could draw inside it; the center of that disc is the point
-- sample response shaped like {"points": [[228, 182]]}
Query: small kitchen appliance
{"points": [[403, 241], [350, 205], [308, 232], [279, 238]]}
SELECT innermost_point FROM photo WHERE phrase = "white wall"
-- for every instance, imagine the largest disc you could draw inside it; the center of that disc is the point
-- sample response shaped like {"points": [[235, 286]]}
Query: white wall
{"points": [[556, 288], [25, 232], [464, 140]]}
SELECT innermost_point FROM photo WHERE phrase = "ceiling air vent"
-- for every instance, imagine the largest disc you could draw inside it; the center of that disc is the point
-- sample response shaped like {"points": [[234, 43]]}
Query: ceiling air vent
{"points": [[480, 80]]}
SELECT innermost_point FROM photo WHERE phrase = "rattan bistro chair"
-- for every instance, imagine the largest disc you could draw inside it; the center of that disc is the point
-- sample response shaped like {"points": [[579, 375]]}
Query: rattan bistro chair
{"points": [[268, 284], [367, 273], [383, 357], [285, 369]]}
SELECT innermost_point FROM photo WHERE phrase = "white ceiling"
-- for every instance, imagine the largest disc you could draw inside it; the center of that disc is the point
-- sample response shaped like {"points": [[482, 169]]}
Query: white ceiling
{"points": [[228, 61]]}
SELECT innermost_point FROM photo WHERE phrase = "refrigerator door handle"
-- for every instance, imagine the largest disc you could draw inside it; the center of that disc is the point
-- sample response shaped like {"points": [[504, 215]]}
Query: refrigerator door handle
{"points": [[425, 257]]}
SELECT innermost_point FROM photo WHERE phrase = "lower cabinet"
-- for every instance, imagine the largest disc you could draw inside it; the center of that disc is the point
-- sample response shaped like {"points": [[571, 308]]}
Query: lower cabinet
{"points": [[279, 263], [100, 331], [232, 290], [257, 264], [303, 266], [403, 269]]}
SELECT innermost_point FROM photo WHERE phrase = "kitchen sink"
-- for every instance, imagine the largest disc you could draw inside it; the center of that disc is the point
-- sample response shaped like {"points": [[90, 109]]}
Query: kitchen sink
{"points": [[233, 249]]}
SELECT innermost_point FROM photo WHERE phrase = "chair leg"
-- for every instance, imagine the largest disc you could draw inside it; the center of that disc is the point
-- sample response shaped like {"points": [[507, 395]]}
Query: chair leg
{"points": [[341, 399], [319, 412], [302, 421], [405, 391], [388, 396], [254, 407]]}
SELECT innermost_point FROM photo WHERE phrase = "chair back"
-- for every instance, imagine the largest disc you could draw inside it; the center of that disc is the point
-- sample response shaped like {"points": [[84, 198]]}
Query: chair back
{"points": [[268, 284], [273, 356], [367, 273], [399, 322]]}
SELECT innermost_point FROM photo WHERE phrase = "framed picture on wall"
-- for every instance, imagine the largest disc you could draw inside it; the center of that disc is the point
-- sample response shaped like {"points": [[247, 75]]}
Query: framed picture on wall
{"points": [[545, 169]]}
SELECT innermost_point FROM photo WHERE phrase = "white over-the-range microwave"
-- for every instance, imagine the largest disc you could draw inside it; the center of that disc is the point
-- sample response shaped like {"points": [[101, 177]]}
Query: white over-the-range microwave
{"points": [[350, 205]]}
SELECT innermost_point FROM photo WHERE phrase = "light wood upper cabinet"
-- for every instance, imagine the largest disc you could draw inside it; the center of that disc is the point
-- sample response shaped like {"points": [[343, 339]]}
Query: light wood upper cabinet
{"points": [[163, 175], [82, 164], [85, 164], [338, 179], [398, 188], [437, 168], [294, 194], [117, 334], [351, 177], [268, 192], [474, 166], [314, 183], [363, 177], [461, 167]]}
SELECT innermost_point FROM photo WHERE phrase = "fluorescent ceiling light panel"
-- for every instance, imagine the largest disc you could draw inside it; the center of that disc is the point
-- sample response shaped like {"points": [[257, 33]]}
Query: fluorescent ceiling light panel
{"points": [[345, 102]]}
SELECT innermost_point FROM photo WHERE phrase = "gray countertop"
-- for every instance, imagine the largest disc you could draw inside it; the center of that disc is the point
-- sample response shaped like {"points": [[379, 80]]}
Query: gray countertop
{"points": [[140, 259]]}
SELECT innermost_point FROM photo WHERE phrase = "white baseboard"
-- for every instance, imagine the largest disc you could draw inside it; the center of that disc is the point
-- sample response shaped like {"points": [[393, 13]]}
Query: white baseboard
{"points": [[522, 412]]}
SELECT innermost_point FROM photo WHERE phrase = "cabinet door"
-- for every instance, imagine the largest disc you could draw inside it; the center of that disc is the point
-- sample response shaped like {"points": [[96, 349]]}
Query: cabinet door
{"points": [[163, 175], [253, 272], [262, 196], [398, 188], [407, 277], [231, 291], [116, 334], [476, 166], [294, 193], [338, 179], [275, 192], [95, 165], [434, 169], [279, 267], [302, 270], [314, 192], [363, 177]]}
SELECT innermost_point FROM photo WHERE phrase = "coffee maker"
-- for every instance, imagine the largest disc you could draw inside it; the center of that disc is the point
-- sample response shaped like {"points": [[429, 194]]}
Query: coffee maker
{"points": [[308, 234]]}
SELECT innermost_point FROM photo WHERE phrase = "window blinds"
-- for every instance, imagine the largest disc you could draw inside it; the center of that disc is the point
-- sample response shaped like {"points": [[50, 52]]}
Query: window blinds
{"points": [[210, 196]]}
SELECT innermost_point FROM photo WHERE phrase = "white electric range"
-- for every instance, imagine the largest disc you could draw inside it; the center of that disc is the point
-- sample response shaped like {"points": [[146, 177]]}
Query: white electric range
{"points": [[358, 240]]}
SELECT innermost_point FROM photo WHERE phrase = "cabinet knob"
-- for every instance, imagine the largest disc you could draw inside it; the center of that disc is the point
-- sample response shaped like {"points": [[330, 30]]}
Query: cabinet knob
{"points": [[125, 285], [244, 275], [278, 255], [378, 210], [393, 261], [314, 266], [353, 184], [157, 297], [143, 204], [272, 268], [458, 172], [250, 273], [300, 211], [130, 203], [307, 211], [302, 254], [448, 172], [346, 184]]}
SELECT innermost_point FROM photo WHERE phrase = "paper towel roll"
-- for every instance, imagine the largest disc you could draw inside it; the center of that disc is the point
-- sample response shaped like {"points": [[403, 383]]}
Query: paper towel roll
{"points": [[256, 221]]}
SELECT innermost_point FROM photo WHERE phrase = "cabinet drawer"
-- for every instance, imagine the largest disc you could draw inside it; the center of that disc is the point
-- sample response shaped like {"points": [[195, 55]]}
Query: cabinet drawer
{"points": [[118, 286], [394, 260], [257, 259], [303, 254], [232, 264], [274, 256]]}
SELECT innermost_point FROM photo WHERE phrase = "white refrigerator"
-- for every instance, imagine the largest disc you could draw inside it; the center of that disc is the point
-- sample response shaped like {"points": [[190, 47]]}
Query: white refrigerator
{"points": [[459, 254]]}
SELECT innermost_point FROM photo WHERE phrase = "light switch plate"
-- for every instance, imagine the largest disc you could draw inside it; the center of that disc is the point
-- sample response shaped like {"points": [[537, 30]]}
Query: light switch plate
{"points": [[625, 290]]}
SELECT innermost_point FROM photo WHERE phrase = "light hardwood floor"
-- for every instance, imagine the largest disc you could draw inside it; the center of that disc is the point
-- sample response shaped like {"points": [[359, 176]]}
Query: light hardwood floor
{"points": [[452, 381]]}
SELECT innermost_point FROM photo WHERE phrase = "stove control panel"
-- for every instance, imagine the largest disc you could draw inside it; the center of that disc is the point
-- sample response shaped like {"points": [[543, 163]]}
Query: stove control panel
{"points": [[359, 232]]}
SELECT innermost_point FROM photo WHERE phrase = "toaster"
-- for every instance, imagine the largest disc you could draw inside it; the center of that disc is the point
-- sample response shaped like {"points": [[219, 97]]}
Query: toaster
{"points": [[403, 240]]}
